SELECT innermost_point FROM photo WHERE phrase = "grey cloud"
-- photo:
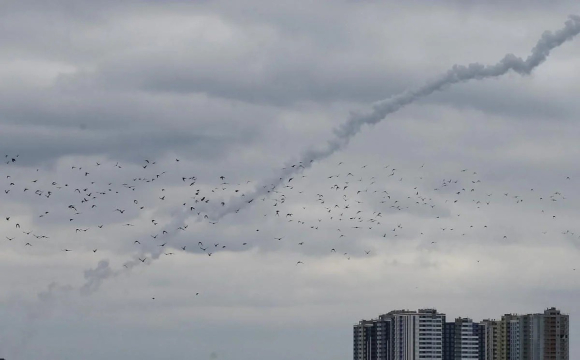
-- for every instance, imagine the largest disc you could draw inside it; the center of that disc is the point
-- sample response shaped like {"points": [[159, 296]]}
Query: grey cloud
{"points": [[241, 90], [458, 73]]}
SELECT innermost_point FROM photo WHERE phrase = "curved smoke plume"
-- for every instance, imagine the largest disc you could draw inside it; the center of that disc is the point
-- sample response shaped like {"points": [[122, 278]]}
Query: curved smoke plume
{"points": [[380, 110], [343, 134]]}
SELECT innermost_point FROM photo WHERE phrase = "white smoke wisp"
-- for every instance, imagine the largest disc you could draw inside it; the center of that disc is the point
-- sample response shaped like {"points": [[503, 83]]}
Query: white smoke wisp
{"points": [[345, 132], [54, 297], [94, 278], [47, 302], [381, 109]]}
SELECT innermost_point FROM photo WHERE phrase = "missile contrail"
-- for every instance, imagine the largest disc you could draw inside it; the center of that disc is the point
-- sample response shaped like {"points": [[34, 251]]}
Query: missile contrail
{"points": [[381, 109], [342, 135]]}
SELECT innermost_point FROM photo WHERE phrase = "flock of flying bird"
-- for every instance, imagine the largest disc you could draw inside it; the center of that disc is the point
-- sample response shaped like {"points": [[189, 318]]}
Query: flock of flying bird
{"points": [[359, 202]]}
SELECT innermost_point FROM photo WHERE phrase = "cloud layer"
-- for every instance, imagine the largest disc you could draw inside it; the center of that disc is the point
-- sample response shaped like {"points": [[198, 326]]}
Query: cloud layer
{"points": [[242, 90]]}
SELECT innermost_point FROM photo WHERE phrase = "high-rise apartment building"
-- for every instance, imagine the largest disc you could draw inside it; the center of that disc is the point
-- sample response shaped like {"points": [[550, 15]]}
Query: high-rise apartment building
{"points": [[384, 337], [424, 334], [504, 340], [544, 336], [449, 341], [514, 339], [417, 334], [365, 340], [400, 335], [556, 327], [481, 335], [372, 339], [531, 328], [490, 335], [461, 340], [466, 339]]}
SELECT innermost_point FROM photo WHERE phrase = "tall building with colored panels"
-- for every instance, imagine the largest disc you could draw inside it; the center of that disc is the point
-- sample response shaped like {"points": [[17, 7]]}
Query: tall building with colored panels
{"points": [[424, 335]]}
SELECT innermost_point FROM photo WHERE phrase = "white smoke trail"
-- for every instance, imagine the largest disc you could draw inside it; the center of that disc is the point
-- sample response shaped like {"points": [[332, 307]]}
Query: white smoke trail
{"points": [[343, 134], [379, 111], [54, 297], [457, 74]]}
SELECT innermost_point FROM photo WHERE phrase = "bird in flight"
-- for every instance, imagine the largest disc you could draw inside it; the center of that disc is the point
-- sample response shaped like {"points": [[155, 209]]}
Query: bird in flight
{"points": [[346, 209]]}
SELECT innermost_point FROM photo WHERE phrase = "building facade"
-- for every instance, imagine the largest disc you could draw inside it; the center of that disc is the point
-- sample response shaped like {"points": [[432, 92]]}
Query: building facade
{"points": [[515, 340], [544, 336], [531, 328], [449, 341], [400, 335], [365, 340], [372, 339], [466, 339], [556, 327], [417, 334], [424, 335], [461, 340], [491, 337]]}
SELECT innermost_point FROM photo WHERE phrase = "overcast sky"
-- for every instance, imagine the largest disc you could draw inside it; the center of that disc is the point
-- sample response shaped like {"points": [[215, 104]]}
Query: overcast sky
{"points": [[242, 89]]}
